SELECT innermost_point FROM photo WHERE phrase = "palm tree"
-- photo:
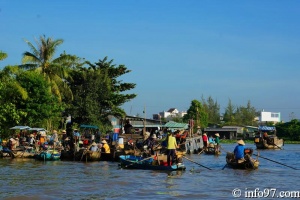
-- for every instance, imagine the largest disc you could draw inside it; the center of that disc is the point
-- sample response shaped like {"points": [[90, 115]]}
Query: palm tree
{"points": [[55, 70]]}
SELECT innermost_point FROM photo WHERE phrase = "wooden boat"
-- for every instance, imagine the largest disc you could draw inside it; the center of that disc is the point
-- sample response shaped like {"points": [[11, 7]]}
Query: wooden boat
{"points": [[20, 152], [139, 162], [211, 150], [269, 142], [248, 163], [48, 155], [87, 155]]}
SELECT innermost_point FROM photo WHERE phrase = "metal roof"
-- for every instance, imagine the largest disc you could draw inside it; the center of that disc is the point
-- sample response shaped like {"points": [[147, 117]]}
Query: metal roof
{"points": [[266, 128], [88, 126], [20, 127], [172, 124]]}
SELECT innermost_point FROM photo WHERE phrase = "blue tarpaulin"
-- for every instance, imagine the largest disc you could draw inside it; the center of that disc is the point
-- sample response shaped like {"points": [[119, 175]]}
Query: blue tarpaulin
{"points": [[266, 128]]}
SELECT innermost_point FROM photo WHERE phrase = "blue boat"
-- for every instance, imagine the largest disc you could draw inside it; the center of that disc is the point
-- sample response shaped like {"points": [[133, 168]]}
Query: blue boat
{"points": [[48, 155], [139, 162]]}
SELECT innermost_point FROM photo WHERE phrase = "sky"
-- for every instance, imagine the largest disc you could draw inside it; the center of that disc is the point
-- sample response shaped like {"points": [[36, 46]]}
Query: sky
{"points": [[177, 50]]}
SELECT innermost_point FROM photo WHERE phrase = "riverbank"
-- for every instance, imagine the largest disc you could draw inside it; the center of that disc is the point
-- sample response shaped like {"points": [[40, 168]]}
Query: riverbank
{"points": [[226, 141]]}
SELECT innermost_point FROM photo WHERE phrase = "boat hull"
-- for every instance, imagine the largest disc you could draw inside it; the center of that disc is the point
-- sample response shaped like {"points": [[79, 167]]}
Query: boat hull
{"points": [[249, 163], [272, 143], [49, 155], [138, 162], [18, 153]]}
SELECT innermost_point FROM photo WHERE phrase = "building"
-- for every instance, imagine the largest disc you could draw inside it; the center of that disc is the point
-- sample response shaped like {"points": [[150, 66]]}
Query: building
{"points": [[168, 115], [226, 132], [269, 117]]}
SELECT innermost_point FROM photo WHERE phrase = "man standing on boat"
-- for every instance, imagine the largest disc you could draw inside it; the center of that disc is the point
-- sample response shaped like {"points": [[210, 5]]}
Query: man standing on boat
{"points": [[171, 147]]}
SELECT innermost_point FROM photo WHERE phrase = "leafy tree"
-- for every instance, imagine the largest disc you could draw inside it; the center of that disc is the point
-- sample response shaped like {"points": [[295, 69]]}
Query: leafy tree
{"points": [[98, 93], [246, 115], [196, 112], [229, 115], [54, 70], [11, 92], [212, 108], [42, 108], [289, 130], [3, 55]]}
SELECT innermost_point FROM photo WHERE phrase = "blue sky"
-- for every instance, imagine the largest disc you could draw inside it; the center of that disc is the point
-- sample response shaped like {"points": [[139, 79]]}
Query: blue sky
{"points": [[177, 50]]}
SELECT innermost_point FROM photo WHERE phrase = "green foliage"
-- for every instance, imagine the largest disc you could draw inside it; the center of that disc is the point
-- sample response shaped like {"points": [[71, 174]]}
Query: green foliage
{"points": [[98, 93], [240, 115], [40, 105], [55, 70], [3, 55], [196, 112], [289, 130], [212, 108]]}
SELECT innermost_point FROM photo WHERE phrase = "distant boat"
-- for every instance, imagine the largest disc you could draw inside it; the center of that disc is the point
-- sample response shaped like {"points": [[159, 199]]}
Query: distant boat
{"points": [[138, 162], [269, 142]]}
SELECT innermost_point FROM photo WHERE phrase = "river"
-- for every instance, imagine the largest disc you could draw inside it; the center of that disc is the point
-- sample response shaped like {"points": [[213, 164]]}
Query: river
{"points": [[34, 180]]}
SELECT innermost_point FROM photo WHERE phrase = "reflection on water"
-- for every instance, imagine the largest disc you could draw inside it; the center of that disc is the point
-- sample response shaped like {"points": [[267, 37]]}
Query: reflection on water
{"points": [[30, 179]]}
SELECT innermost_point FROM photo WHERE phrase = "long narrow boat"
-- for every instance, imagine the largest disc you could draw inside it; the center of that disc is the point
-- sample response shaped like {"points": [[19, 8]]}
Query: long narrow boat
{"points": [[139, 162], [24, 152], [248, 163]]}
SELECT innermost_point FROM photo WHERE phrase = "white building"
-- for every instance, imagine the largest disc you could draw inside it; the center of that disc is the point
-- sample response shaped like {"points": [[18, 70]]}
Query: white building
{"points": [[273, 117], [171, 113]]}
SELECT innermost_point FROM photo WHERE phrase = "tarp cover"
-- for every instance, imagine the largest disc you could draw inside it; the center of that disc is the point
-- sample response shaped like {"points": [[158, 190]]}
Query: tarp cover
{"points": [[20, 127], [88, 126], [266, 128], [176, 125]]}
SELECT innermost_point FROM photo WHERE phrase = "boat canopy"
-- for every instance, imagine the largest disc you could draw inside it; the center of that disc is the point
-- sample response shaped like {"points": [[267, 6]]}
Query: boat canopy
{"points": [[266, 128], [176, 125], [88, 126], [20, 128], [37, 129]]}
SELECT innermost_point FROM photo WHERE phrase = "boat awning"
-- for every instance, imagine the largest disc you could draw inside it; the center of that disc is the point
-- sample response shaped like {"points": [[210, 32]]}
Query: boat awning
{"points": [[20, 128], [176, 125], [266, 128], [88, 126], [37, 129]]}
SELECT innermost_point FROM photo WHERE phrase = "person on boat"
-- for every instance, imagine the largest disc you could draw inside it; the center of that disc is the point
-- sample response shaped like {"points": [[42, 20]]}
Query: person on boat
{"points": [[76, 136], [105, 147], [31, 140], [239, 151], [64, 135], [217, 142], [127, 127], [199, 132], [205, 141], [42, 137], [94, 147], [171, 148], [211, 140], [266, 137], [54, 137], [152, 144], [66, 144]]}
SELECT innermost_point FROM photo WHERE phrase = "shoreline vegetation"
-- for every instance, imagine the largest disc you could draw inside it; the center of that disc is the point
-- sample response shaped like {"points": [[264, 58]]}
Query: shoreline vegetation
{"points": [[232, 141]]}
